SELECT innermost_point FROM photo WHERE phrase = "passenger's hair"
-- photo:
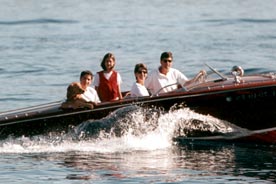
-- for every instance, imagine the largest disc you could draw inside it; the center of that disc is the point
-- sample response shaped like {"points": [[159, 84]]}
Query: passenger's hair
{"points": [[106, 56], [138, 66], [166, 55], [86, 72]]}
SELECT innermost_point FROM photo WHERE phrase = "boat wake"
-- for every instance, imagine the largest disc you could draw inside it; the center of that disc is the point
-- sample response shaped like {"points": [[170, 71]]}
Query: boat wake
{"points": [[138, 121], [126, 129]]}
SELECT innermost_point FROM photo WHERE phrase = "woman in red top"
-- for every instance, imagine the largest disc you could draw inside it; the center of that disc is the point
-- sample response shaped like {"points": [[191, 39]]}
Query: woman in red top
{"points": [[107, 82]]}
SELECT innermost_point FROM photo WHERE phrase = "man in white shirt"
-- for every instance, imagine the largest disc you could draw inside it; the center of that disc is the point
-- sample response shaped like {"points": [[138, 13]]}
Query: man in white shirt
{"points": [[165, 78]]}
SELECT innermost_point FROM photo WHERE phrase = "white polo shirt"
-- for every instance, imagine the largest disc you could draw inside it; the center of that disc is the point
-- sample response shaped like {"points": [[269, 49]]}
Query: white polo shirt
{"points": [[156, 80], [91, 95], [138, 90]]}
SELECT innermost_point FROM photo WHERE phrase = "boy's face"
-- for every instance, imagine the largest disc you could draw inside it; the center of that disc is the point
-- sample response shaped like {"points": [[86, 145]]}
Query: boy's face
{"points": [[86, 81]]}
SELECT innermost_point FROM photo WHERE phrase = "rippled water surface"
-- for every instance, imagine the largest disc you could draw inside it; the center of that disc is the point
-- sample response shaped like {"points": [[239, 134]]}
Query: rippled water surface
{"points": [[46, 44]]}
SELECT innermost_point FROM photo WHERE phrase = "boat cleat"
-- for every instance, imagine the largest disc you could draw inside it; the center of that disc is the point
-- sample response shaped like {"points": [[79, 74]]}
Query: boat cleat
{"points": [[237, 72]]}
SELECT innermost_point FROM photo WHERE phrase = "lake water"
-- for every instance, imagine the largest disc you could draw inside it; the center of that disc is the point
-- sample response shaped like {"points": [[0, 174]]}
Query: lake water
{"points": [[46, 44]]}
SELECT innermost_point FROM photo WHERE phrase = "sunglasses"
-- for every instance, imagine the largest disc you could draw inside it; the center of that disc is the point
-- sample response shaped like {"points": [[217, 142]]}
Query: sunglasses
{"points": [[167, 60], [142, 71]]}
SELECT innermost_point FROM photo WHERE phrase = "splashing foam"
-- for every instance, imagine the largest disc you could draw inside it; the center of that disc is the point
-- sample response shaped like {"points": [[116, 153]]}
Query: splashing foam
{"points": [[122, 131]]}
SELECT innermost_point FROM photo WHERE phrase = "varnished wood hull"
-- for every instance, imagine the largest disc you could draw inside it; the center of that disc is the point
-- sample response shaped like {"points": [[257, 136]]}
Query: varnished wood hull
{"points": [[250, 104]]}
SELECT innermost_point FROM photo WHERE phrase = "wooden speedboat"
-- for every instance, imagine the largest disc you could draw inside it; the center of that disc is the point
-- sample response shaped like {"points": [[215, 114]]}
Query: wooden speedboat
{"points": [[248, 101]]}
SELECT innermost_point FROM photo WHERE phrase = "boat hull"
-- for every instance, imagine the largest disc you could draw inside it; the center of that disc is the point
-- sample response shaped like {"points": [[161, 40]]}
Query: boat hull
{"points": [[249, 105]]}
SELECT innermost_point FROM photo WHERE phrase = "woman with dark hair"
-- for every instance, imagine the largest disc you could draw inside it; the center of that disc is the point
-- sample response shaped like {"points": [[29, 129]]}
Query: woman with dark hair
{"points": [[108, 81], [138, 89]]}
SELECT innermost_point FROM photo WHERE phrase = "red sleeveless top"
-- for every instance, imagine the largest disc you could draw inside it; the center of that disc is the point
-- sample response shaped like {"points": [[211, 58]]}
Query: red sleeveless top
{"points": [[108, 89]]}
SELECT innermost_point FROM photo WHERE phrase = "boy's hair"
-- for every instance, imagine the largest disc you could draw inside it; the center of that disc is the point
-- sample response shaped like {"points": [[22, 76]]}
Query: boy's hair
{"points": [[86, 72]]}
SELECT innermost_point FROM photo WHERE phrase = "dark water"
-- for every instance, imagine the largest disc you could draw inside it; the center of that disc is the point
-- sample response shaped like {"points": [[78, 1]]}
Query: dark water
{"points": [[46, 44]]}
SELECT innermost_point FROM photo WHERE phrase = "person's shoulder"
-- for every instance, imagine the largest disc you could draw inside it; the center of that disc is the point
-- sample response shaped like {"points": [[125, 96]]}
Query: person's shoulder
{"points": [[176, 71], [134, 85], [178, 74], [134, 88], [91, 88], [138, 85], [152, 76]]}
